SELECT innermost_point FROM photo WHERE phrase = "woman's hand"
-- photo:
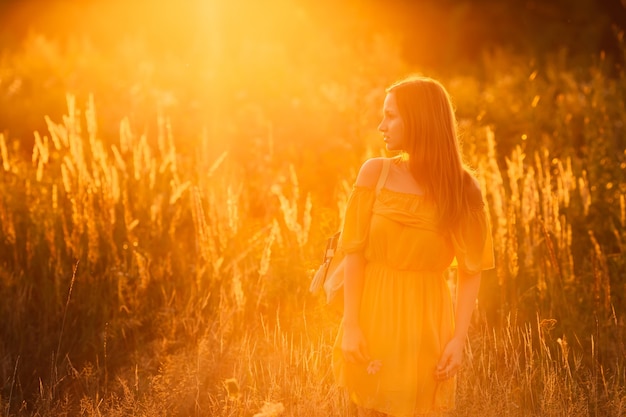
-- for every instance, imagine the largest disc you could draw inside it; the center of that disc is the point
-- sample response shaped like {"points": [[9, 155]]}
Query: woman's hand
{"points": [[451, 359], [353, 345]]}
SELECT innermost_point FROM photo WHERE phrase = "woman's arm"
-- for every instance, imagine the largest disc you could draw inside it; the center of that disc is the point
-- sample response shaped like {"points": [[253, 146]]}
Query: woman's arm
{"points": [[353, 343], [466, 295], [474, 251], [467, 292]]}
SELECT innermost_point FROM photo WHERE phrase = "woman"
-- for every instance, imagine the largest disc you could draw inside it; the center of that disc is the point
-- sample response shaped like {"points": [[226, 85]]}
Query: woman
{"points": [[400, 344]]}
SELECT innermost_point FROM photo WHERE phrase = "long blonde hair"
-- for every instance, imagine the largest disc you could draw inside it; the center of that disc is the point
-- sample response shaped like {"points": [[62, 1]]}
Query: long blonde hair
{"points": [[432, 145]]}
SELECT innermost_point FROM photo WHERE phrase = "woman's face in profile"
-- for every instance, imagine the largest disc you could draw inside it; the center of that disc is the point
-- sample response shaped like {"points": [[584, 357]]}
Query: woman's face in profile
{"points": [[392, 125]]}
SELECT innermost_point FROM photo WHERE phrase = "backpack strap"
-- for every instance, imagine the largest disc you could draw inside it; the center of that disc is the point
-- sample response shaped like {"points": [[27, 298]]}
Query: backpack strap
{"points": [[383, 175]]}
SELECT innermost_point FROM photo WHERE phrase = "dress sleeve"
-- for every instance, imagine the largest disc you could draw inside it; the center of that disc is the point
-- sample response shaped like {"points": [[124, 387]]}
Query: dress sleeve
{"points": [[472, 241], [357, 219]]}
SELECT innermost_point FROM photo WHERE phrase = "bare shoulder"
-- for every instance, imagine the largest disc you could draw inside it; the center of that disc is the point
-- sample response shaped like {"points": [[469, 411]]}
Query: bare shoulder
{"points": [[369, 172], [473, 192]]}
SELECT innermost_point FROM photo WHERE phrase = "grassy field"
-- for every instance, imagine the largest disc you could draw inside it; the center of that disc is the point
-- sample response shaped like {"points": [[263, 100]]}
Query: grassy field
{"points": [[157, 237]]}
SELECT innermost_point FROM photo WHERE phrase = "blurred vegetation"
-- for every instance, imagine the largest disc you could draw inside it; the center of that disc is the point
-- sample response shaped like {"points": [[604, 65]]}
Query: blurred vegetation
{"points": [[160, 220]]}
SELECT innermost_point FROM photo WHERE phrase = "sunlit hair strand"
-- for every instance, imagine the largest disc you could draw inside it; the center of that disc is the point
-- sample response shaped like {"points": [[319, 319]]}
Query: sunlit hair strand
{"points": [[432, 145]]}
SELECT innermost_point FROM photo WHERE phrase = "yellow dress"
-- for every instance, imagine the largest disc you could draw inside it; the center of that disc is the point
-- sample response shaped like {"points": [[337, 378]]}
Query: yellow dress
{"points": [[406, 309]]}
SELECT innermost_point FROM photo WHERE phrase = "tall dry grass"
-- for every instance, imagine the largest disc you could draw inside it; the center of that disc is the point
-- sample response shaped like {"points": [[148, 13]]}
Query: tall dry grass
{"points": [[162, 295], [142, 279]]}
